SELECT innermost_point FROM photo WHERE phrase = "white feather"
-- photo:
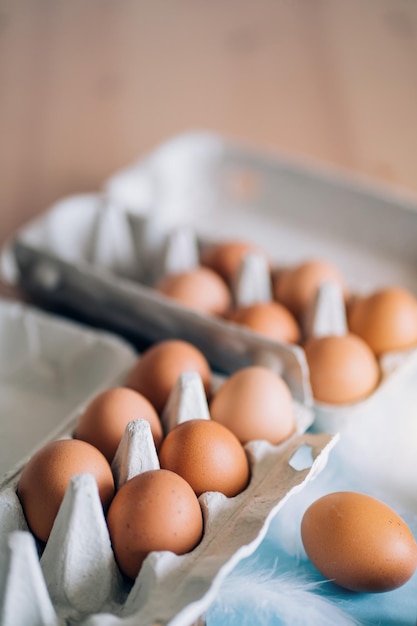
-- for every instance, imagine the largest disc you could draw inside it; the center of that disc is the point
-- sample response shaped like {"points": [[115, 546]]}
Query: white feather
{"points": [[278, 598]]}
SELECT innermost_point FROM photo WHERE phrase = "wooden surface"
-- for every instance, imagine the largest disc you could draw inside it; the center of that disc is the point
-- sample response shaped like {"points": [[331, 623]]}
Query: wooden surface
{"points": [[88, 85]]}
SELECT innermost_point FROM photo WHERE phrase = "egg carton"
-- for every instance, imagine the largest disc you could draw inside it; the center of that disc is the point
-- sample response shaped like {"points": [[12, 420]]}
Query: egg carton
{"points": [[74, 577], [98, 255], [94, 271]]}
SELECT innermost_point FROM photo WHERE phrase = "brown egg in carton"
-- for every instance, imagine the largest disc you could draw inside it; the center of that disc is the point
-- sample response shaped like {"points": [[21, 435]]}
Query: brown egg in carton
{"points": [[77, 578]]}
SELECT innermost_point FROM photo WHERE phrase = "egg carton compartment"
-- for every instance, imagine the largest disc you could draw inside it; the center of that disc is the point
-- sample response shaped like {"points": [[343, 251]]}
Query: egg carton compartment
{"points": [[74, 577], [158, 214]]}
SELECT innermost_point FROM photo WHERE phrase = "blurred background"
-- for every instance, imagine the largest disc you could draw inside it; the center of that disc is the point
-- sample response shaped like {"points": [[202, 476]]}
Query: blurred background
{"points": [[87, 86]]}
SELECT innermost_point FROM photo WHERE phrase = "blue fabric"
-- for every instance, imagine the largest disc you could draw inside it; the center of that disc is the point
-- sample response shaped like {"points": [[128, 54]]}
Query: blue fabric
{"points": [[281, 553]]}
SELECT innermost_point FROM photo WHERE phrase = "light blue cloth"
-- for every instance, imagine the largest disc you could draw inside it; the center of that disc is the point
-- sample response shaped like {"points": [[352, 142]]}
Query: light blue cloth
{"points": [[281, 553]]}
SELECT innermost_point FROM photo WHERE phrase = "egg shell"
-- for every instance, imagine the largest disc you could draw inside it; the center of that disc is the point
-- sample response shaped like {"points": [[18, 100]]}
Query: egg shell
{"points": [[45, 478], [343, 369], [255, 403], [358, 542], [104, 420], [296, 287], [207, 455], [155, 510], [157, 371], [386, 319], [200, 289], [271, 319], [226, 257]]}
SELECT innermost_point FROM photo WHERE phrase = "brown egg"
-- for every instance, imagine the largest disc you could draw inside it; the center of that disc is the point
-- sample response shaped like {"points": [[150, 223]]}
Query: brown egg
{"points": [[343, 369], [156, 510], [207, 455], [386, 320], [296, 287], [45, 478], [104, 421], [255, 403], [157, 371], [358, 542], [270, 319], [200, 289], [226, 257]]}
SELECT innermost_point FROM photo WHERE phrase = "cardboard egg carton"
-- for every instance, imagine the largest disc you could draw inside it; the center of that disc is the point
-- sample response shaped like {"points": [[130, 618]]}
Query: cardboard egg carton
{"points": [[90, 257], [74, 577], [99, 255]]}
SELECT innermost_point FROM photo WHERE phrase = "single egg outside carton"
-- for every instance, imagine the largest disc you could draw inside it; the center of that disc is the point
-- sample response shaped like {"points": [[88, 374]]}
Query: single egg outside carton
{"points": [[358, 542]]}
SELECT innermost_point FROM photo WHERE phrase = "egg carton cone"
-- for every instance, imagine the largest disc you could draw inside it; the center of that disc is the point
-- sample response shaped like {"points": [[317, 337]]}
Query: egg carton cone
{"points": [[252, 282], [112, 246], [327, 312], [78, 562], [186, 401], [180, 251], [74, 577], [136, 453], [24, 596]]}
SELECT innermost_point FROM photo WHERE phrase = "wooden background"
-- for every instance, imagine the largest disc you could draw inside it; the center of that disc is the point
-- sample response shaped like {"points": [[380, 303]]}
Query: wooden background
{"points": [[88, 85]]}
